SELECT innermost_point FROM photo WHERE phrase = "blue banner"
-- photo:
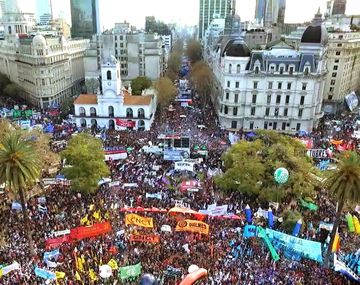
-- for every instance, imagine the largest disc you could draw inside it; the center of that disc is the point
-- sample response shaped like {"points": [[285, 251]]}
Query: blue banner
{"points": [[173, 155], [51, 254], [295, 248], [250, 231], [43, 273]]}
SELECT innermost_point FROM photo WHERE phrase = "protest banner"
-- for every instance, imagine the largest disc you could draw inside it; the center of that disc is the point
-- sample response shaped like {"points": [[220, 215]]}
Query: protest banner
{"points": [[192, 226], [56, 242], [250, 231], [61, 233], [293, 246], [184, 166], [90, 231], [51, 254], [9, 268], [153, 196], [46, 274], [144, 238], [129, 271], [136, 220]]}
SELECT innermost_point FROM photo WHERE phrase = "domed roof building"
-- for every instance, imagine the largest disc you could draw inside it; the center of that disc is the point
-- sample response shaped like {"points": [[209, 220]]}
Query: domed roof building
{"points": [[236, 48], [39, 41], [316, 32]]}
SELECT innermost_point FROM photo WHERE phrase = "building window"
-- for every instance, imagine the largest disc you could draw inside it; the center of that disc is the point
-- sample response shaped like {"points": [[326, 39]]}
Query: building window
{"points": [[82, 111], [288, 86], [228, 84], [281, 70], [252, 111], [238, 68], [332, 82], [306, 71], [256, 70], [270, 85], [237, 84], [235, 110], [251, 125], [331, 89], [236, 99], [287, 99], [255, 84], [283, 126], [230, 67], [267, 111], [335, 67], [298, 126], [278, 99], [285, 112], [279, 85], [338, 53], [276, 112], [227, 95], [330, 97], [333, 74], [336, 61], [234, 124], [302, 100], [254, 99], [226, 110], [291, 70], [108, 75], [265, 125], [268, 101], [300, 113], [274, 125], [304, 86]]}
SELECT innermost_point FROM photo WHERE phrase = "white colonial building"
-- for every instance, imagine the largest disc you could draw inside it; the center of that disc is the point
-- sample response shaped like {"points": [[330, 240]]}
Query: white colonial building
{"points": [[114, 107], [279, 88], [48, 69]]}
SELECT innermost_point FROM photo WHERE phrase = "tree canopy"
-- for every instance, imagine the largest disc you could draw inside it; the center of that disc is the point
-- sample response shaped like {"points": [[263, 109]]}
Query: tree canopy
{"points": [[86, 166], [250, 168], [173, 65], [139, 84], [193, 50], [166, 91], [201, 77]]}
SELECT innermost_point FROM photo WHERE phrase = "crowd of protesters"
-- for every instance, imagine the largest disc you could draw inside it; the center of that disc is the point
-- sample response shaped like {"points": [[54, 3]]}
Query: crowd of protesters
{"points": [[228, 257]]}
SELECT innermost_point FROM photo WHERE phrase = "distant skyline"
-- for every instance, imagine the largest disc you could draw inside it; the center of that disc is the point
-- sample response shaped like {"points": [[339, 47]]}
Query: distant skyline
{"points": [[185, 12]]}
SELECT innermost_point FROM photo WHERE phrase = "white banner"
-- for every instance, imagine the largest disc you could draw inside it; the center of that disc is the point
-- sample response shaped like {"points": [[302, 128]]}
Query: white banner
{"points": [[184, 166], [114, 183], [130, 185], [116, 156], [7, 269], [61, 233], [217, 210]]}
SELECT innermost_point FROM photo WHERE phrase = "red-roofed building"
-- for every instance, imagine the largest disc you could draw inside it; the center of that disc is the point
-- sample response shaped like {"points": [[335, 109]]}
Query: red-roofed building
{"points": [[116, 107]]}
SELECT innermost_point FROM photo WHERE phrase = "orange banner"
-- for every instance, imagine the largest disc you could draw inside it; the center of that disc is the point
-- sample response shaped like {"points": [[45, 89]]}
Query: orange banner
{"points": [[133, 219], [192, 226], [90, 231], [145, 238]]}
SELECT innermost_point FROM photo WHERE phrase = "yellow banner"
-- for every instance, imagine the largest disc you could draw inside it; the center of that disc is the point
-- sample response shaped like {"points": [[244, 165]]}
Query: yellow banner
{"points": [[192, 226], [133, 219]]}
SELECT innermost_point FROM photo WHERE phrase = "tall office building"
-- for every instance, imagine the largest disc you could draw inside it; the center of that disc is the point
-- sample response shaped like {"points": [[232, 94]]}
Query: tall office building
{"points": [[339, 7], [260, 11], [84, 18], [281, 12], [210, 9], [268, 12], [43, 11]]}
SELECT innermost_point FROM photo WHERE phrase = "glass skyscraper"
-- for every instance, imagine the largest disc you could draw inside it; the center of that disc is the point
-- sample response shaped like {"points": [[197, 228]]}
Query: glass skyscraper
{"points": [[84, 18], [339, 7]]}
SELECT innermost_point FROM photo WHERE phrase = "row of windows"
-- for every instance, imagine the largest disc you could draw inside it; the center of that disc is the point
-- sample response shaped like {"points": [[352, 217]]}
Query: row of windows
{"points": [[270, 85], [254, 99], [268, 125], [267, 112], [129, 112]]}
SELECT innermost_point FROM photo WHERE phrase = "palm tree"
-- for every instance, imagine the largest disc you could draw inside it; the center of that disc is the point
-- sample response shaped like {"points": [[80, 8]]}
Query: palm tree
{"points": [[20, 166], [344, 183]]}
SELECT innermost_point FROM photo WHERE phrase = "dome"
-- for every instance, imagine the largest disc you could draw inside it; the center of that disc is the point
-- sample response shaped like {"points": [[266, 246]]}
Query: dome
{"points": [[315, 35], [39, 40], [236, 48]]}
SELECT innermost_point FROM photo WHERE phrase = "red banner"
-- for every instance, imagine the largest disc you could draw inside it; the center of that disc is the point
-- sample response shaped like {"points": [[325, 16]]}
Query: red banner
{"points": [[56, 242], [90, 231], [126, 124], [145, 238]]}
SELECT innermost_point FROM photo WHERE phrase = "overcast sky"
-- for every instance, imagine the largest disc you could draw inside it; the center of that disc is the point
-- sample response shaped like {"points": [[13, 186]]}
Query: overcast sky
{"points": [[187, 11]]}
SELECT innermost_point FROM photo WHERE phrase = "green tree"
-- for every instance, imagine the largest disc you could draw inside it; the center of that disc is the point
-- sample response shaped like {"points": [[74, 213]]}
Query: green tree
{"points": [[20, 166], [66, 108], [178, 46], [139, 84], [85, 157], [166, 92], [250, 167], [201, 77], [173, 65], [344, 185], [194, 51], [290, 219]]}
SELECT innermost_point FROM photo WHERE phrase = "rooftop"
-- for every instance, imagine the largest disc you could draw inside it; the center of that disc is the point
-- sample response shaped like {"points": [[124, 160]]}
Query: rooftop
{"points": [[86, 99]]}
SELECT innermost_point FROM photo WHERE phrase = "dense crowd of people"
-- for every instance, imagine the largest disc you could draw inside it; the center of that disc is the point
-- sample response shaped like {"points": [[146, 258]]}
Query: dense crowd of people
{"points": [[228, 257]]}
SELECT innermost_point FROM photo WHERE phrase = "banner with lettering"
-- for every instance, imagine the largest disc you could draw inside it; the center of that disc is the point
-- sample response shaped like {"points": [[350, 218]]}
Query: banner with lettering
{"points": [[129, 271], [90, 231], [295, 247], [192, 226], [250, 231], [145, 238], [136, 220], [56, 242]]}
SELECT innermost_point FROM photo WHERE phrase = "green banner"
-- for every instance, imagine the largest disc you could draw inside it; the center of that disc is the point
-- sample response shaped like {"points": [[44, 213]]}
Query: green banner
{"points": [[130, 271], [308, 205], [264, 236], [21, 113]]}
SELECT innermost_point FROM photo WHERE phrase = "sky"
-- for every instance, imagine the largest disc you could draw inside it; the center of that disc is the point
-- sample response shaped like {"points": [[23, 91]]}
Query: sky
{"points": [[186, 11]]}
